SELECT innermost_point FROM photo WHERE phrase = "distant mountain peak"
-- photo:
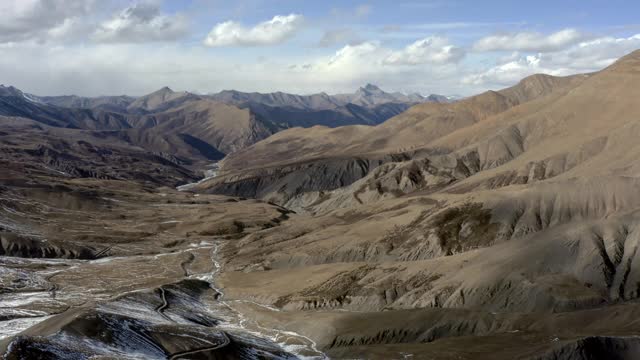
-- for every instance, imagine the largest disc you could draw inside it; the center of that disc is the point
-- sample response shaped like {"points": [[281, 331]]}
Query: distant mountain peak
{"points": [[437, 98], [165, 89], [371, 87], [369, 90], [9, 91]]}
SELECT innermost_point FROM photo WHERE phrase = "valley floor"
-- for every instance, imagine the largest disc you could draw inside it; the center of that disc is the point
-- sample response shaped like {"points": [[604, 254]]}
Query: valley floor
{"points": [[114, 269]]}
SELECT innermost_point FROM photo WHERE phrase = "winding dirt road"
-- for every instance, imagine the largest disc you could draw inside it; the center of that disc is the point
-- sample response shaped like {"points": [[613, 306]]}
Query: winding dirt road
{"points": [[226, 341], [160, 310]]}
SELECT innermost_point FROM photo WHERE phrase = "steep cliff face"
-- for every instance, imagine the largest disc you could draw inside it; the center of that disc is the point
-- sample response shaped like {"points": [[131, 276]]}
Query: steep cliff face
{"points": [[281, 184]]}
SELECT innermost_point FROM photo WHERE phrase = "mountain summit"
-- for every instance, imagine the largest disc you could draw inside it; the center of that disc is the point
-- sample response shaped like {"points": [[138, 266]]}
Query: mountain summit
{"points": [[161, 99], [9, 91], [371, 95], [370, 89]]}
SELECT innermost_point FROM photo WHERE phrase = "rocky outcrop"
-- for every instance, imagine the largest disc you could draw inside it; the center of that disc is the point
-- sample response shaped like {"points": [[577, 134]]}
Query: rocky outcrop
{"points": [[279, 184], [595, 347], [20, 246]]}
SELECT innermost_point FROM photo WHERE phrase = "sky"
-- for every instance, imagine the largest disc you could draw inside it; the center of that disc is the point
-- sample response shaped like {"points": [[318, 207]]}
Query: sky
{"points": [[448, 47]]}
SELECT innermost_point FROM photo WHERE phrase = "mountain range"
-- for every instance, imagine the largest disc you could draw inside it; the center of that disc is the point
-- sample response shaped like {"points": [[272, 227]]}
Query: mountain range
{"points": [[220, 123], [504, 225]]}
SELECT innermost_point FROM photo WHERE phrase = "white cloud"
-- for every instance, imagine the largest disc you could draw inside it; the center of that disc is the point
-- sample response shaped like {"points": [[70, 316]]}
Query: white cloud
{"points": [[530, 41], [510, 72], [596, 53], [141, 22], [372, 57], [430, 50], [33, 19], [274, 31], [354, 65], [65, 29], [583, 57], [354, 54]]}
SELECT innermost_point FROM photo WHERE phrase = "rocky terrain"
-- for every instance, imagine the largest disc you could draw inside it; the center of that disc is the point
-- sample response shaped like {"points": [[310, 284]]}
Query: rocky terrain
{"points": [[500, 226], [504, 206], [120, 268]]}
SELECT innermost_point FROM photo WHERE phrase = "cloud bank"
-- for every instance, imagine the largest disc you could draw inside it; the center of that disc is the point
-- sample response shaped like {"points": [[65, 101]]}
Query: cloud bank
{"points": [[274, 31], [530, 41], [582, 57], [91, 47], [36, 19], [141, 22]]}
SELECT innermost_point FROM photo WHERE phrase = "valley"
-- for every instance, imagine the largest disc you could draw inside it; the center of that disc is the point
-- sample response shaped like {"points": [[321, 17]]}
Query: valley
{"points": [[181, 226]]}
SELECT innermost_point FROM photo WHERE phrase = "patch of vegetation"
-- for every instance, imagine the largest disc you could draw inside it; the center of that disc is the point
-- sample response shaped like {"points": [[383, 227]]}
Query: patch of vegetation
{"points": [[471, 219], [236, 227]]}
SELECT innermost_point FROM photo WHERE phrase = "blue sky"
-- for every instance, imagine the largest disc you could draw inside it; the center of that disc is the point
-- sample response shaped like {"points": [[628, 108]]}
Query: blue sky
{"points": [[92, 47], [460, 20], [552, 13]]}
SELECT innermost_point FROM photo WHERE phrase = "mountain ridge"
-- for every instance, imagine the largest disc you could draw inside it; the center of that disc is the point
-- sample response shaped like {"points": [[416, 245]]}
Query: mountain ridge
{"points": [[405, 132], [268, 113]]}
